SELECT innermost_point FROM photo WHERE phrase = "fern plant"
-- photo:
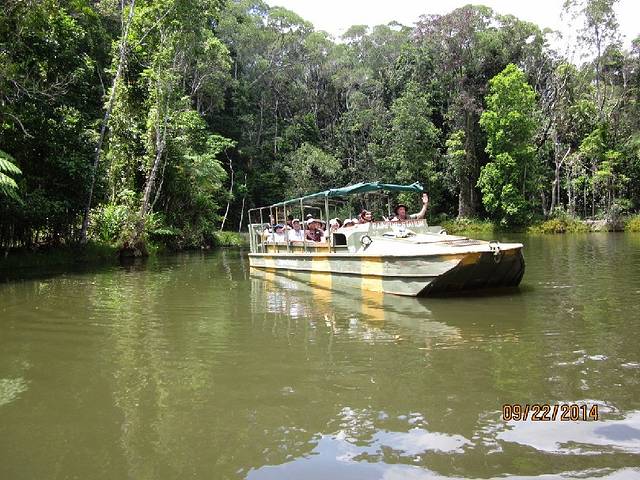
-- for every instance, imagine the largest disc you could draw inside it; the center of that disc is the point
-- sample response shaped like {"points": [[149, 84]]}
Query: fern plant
{"points": [[8, 186]]}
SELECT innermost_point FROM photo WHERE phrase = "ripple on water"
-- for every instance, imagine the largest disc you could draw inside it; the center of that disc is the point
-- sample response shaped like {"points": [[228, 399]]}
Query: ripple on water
{"points": [[360, 448], [336, 457], [630, 365], [577, 438], [418, 441], [11, 388], [583, 358]]}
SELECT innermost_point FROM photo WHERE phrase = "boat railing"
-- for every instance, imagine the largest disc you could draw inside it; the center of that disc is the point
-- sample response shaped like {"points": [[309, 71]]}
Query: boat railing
{"points": [[260, 230], [349, 239]]}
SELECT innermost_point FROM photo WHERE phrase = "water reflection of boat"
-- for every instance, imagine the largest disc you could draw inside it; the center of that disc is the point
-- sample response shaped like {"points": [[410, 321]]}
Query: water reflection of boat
{"points": [[303, 295], [401, 257]]}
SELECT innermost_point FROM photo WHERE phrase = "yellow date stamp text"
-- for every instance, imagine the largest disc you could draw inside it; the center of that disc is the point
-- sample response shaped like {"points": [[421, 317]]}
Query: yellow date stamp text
{"points": [[544, 412]]}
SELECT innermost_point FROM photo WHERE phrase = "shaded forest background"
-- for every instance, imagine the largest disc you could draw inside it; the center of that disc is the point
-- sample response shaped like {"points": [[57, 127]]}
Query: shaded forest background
{"points": [[124, 121]]}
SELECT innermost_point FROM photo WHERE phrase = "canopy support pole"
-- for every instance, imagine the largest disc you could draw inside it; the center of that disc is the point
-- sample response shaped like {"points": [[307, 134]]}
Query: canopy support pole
{"points": [[261, 233], [304, 227], [250, 228], [286, 232], [328, 227]]}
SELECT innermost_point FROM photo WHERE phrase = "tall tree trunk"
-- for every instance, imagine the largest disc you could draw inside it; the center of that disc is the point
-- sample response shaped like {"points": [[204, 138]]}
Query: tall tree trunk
{"points": [[571, 190], [161, 142], [468, 177], [593, 192], [259, 136], [275, 134], [226, 212], [244, 198], [105, 121], [584, 200], [555, 188], [599, 96]]}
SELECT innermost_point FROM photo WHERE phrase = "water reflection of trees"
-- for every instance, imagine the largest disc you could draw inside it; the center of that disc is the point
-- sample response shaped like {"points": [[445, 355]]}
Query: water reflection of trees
{"points": [[217, 375]]}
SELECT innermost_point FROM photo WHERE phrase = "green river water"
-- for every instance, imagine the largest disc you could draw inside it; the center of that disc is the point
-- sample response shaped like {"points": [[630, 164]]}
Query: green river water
{"points": [[191, 367]]}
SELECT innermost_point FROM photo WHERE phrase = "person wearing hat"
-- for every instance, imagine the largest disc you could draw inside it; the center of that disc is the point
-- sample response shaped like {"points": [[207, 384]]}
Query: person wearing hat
{"points": [[296, 234], [324, 232], [314, 230], [278, 235], [334, 224], [349, 222], [401, 211]]}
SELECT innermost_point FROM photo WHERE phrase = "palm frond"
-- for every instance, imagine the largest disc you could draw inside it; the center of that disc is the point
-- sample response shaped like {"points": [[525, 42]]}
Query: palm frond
{"points": [[7, 182], [7, 164], [8, 186]]}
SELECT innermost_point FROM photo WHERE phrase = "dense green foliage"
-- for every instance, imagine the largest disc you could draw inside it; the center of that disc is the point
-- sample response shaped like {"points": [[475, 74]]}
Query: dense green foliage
{"points": [[509, 121], [468, 226], [561, 223], [165, 120], [633, 225], [230, 239]]}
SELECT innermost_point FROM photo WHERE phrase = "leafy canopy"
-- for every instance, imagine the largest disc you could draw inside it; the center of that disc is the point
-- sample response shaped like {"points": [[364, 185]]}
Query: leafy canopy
{"points": [[509, 123]]}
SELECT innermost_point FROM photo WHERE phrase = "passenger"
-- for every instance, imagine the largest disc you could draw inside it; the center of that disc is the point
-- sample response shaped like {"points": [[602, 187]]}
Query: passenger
{"points": [[267, 231], [296, 234], [401, 211], [314, 230], [322, 226], [365, 217], [349, 222], [278, 235], [334, 224], [289, 222]]}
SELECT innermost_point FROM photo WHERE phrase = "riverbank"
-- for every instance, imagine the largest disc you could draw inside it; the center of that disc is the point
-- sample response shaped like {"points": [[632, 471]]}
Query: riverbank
{"points": [[59, 255], [94, 253], [100, 254], [560, 224]]}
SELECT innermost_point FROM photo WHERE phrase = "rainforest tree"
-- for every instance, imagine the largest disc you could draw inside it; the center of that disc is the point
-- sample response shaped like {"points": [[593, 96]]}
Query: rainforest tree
{"points": [[510, 179], [136, 120]]}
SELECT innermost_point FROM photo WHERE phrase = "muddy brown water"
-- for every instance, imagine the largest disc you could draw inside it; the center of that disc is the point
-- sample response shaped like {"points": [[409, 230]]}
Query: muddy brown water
{"points": [[189, 366]]}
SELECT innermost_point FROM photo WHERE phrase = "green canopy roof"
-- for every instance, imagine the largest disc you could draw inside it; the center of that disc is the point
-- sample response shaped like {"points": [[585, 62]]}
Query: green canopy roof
{"points": [[356, 189]]}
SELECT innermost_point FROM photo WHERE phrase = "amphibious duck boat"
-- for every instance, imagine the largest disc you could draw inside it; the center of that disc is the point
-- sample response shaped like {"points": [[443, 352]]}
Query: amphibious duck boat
{"points": [[397, 257]]}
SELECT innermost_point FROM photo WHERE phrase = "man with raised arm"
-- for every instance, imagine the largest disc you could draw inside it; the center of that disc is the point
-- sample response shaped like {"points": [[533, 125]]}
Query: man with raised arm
{"points": [[401, 211]]}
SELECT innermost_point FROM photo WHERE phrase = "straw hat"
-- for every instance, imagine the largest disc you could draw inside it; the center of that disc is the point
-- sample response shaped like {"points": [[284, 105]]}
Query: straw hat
{"points": [[395, 209]]}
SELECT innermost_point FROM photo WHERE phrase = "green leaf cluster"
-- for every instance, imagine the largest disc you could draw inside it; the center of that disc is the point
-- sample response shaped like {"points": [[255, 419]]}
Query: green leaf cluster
{"points": [[509, 179], [197, 110]]}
